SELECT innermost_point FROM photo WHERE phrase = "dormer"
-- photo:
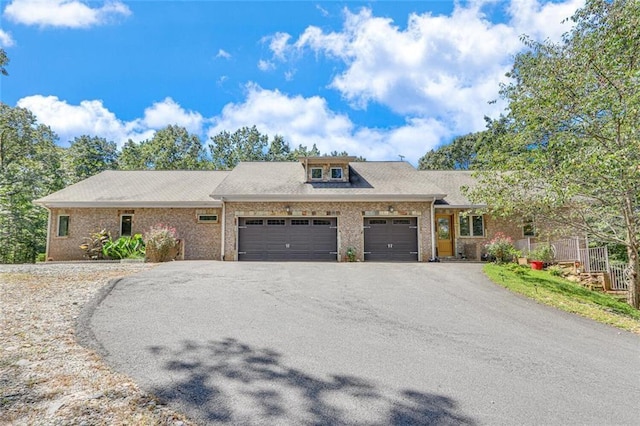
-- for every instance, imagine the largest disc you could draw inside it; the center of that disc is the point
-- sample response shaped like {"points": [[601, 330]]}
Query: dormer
{"points": [[327, 169]]}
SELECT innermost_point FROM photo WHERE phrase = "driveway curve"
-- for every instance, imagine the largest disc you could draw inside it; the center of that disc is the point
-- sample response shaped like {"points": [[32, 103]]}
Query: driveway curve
{"points": [[356, 343]]}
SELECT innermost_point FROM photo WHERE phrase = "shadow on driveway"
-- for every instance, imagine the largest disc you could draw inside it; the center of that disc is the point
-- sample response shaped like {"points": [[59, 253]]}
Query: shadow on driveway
{"points": [[237, 383]]}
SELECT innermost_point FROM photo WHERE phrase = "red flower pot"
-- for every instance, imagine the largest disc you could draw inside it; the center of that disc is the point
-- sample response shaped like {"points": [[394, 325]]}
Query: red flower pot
{"points": [[537, 265]]}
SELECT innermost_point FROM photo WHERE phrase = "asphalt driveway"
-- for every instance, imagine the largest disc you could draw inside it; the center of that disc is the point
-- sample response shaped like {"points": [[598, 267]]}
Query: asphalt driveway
{"points": [[362, 343]]}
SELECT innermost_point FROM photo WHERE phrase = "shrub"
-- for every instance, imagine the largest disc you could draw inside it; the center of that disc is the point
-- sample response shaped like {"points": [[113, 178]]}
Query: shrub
{"points": [[543, 253], [124, 247], [161, 243], [501, 248], [93, 244], [351, 254]]}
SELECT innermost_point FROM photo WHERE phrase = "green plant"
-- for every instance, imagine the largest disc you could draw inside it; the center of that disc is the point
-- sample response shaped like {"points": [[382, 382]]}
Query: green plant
{"points": [[556, 271], [351, 254], [543, 253], [162, 243], [124, 247], [93, 244], [41, 257], [501, 248]]}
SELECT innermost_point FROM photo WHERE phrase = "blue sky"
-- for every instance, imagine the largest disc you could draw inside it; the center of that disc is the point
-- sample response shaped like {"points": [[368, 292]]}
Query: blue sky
{"points": [[378, 79]]}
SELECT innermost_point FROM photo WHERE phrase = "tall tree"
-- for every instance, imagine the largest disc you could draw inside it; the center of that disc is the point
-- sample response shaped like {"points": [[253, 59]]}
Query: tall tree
{"points": [[171, 148], [29, 169], [90, 155], [572, 148], [4, 61], [245, 144], [462, 152]]}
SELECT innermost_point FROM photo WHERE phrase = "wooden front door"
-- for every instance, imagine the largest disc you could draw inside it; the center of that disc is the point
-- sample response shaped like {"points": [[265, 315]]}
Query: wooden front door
{"points": [[444, 234]]}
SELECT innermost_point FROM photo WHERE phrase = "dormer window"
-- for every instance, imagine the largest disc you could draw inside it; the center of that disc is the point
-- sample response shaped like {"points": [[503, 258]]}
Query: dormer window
{"points": [[316, 173], [336, 173]]}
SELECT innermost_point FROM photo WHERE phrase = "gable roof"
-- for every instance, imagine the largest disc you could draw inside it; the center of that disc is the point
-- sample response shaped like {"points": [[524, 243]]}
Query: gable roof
{"points": [[451, 181], [286, 181], [166, 188]]}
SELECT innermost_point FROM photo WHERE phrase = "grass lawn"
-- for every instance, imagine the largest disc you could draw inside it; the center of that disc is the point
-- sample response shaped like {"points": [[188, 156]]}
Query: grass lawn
{"points": [[566, 295]]}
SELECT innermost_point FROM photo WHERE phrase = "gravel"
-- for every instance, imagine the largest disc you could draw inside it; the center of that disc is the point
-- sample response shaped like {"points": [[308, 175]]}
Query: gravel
{"points": [[46, 376]]}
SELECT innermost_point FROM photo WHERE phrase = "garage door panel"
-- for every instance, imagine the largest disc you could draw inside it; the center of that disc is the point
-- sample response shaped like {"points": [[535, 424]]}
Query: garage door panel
{"points": [[281, 239], [391, 239]]}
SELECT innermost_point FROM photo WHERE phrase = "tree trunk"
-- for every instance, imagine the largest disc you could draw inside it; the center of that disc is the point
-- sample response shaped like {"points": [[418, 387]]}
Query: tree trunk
{"points": [[634, 282]]}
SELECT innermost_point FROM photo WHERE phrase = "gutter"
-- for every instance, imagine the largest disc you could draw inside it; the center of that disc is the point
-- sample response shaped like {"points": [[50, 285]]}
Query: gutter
{"points": [[328, 197], [46, 250], [128, 205]]}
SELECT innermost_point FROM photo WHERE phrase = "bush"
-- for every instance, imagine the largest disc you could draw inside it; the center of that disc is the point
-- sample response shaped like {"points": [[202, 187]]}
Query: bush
{"points": [[543, 253], [351, 254], [501, 248], [124, 248], [161, 243], [93, 244]]}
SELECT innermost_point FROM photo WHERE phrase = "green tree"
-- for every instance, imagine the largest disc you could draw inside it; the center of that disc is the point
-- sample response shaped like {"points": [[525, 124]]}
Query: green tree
{"points": [[171, 148], [245, 144], [572, 148], [462, 152], [279, 150], [131, 157], [4, 61], [29, 169], [90, 155]]}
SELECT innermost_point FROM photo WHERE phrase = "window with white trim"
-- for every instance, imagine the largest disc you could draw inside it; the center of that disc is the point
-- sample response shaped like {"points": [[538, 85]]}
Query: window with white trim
{"points": [[316, 173], [126, 223], [336, 173], [471, 226], [63, 225]]}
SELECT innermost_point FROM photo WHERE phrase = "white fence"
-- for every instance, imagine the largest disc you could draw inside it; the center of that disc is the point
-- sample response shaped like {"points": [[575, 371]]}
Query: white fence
{"points": [[595, 259], [564, 250], [620, 274]]}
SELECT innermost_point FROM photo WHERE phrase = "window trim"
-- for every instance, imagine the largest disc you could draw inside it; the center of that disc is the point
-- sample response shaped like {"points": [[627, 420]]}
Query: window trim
{"points": [[58, 234], [201, 215], [331, 173], [470, 225], [122, 234], [321, 173]]}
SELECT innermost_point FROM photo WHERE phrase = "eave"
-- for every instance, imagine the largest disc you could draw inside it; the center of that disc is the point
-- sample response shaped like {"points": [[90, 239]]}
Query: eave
{"points": [[130, 204], [255, 198]]}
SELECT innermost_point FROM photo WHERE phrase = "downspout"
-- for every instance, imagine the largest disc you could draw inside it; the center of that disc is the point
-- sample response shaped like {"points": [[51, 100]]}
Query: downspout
{"points": [[223, 229], [433, 229], [46, 250]]}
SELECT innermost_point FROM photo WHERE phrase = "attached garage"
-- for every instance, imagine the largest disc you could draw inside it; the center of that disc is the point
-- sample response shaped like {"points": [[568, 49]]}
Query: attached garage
{"points": [[287, 239], [391, 239]]}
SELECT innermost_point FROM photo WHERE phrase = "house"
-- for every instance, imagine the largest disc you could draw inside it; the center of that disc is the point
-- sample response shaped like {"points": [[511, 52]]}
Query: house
{"points": [[313, 210]]}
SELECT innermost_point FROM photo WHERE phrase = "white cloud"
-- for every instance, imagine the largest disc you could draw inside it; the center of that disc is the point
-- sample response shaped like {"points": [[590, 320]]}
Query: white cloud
{"points": [[265, 65], [443, 67], [161, 114], [223, 54], [542, 20], [5, 39], [279, 43], [309, 120], [64, 13], [91, 117]]}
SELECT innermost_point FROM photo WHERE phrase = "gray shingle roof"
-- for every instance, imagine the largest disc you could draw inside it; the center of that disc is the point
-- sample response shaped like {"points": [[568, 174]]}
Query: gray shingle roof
{"points": [[451, 182], [179, 188], [286, 181]]}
